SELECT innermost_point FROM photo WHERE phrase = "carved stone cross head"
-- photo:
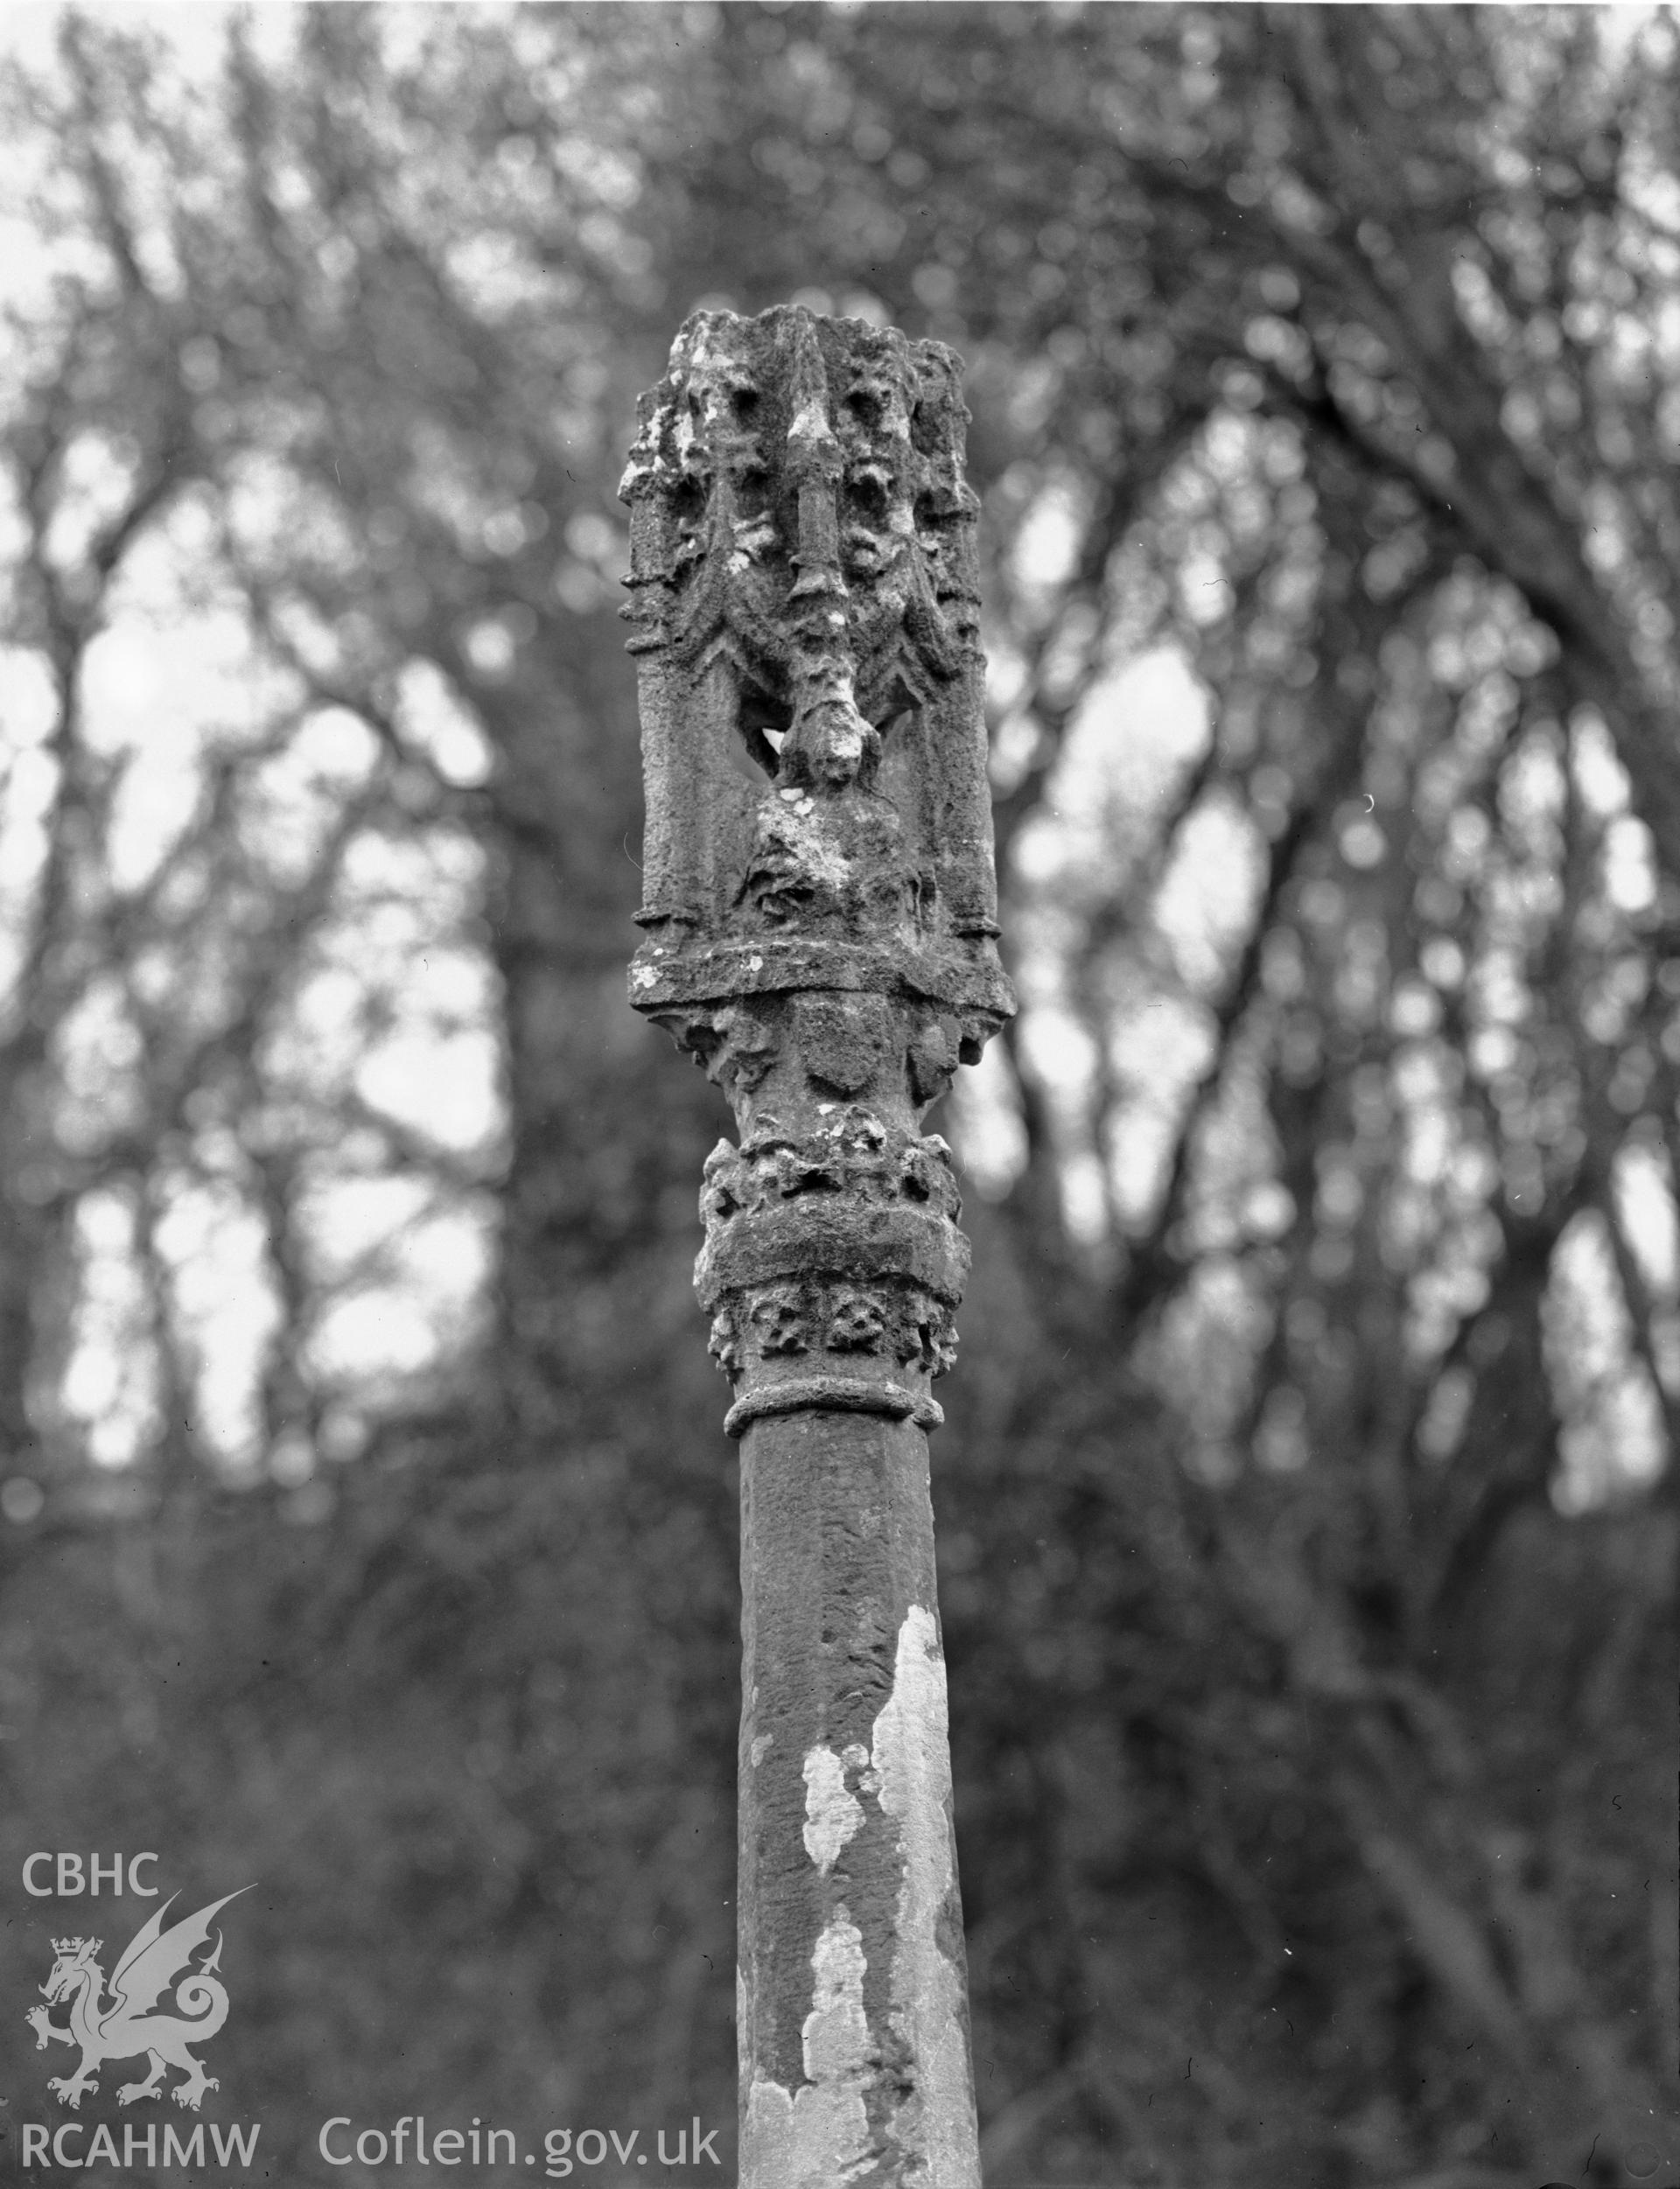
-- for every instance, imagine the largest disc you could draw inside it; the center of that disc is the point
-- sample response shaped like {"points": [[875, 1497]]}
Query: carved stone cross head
{"points": [[820, 900], [803, 567]]}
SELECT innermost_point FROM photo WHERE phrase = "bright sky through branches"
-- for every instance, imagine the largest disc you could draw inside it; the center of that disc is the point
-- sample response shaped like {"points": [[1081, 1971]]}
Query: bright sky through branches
{"points": [[376, 1102]]}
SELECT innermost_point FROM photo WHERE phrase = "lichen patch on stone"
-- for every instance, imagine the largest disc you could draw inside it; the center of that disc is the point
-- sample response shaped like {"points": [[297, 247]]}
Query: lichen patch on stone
{"points": [[835, 2033], [818, 2136], [832, 1814], [811, 424], [911, 1759]]}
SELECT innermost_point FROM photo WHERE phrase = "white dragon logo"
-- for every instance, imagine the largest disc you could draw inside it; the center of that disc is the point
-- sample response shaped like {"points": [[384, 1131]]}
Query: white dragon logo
{"points": [[154, 1960]]}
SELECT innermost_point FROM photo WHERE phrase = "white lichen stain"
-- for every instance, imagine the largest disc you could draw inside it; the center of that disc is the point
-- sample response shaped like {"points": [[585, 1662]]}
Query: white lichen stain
{"points": [[811, 424], [818, 2136], [754, 537], [836, 2035], [763, 1742], [803, 832], [832, 1815], [911, 1755]]}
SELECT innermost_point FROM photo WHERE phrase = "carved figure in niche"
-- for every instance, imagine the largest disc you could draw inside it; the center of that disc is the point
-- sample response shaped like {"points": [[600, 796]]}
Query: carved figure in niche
{"points": [[803, 568]]}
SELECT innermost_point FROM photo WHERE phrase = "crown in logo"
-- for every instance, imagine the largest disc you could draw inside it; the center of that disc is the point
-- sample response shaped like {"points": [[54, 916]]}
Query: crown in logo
{"points": [[75, 1945]]}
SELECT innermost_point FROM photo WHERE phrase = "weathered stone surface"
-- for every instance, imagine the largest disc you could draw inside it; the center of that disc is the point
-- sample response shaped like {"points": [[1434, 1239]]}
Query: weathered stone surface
{"points": [[820, 925], [803, 565], [845, 1820]]}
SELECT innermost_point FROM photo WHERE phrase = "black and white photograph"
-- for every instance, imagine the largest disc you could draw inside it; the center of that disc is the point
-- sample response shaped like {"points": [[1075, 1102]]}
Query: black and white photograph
{"points": [[839, 1094]]}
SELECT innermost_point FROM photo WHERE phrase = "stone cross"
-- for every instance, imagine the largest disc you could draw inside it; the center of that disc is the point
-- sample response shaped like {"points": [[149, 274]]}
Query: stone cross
{"points": [[821, 924]]}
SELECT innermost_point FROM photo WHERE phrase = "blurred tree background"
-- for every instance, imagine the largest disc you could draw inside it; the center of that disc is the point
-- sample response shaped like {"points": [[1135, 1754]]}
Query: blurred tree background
{"points": [[1307, 1510]]}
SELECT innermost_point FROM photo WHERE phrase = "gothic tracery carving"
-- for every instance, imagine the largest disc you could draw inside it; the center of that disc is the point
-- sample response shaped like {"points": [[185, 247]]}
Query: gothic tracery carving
{"points": [[820, 909]]}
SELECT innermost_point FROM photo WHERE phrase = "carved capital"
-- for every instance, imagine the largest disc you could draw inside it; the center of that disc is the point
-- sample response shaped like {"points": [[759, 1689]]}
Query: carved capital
{"points": [[821, 905]]}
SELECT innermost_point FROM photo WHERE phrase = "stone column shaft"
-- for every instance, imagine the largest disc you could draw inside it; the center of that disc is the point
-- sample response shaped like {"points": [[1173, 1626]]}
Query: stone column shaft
{"points": [[851, 1984], [821, 924]]}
